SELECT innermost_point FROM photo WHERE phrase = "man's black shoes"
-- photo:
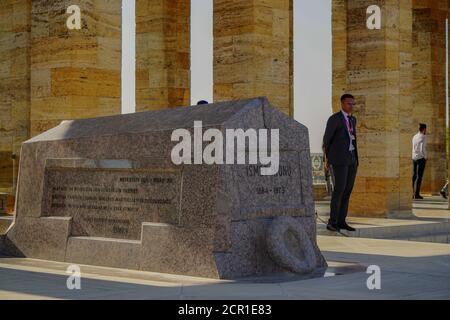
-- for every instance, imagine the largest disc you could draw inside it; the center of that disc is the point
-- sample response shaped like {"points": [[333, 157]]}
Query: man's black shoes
{"points": [[443, 194], [346, 227], [418, 197], [338, 228], [332, 227]]}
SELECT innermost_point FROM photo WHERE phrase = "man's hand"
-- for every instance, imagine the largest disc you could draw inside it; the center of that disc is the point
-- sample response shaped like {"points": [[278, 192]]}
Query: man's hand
{"points": [[326, 165]]}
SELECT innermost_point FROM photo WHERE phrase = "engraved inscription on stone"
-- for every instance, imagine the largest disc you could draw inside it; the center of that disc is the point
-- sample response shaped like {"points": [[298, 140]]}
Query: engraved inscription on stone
{"points": [[282, 190], [112, 202]]}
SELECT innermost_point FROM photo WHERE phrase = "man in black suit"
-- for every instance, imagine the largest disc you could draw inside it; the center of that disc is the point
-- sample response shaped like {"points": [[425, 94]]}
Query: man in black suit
{"points": [[341, 158]]}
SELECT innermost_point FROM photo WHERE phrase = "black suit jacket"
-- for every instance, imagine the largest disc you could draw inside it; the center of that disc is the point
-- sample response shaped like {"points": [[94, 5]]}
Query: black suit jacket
{"points": [[336, 141]]}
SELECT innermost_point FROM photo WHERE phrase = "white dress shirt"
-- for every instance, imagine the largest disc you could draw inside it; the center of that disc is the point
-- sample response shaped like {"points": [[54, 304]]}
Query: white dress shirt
{"points": [[419, 146], [351, 147]]}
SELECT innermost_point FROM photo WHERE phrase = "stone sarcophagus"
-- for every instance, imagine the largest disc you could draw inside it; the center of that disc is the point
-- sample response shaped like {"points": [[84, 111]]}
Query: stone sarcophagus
{"points": [[185, 191]]}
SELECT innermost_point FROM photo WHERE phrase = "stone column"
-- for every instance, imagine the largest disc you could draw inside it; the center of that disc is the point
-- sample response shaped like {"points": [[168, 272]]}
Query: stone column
{"points": [[162, 54], [379, 74], [15, 25], [429, 85], [448, 130], [253, 51], [74, 73], [339, 43]]}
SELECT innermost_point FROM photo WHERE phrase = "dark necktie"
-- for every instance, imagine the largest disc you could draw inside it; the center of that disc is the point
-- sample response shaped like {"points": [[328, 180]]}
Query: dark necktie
{"points": [[350, 124], [350, 127]]}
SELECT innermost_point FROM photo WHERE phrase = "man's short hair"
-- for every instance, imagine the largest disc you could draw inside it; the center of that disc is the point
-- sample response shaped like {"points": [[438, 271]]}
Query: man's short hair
{"points": [[422, 126], [202, 102], [347, 95]]}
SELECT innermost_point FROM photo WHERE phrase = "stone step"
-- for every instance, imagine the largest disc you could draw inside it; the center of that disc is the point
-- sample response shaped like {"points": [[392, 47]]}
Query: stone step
{"points": [[5, 222], [435, 238], [395, 229], [97, 251]]}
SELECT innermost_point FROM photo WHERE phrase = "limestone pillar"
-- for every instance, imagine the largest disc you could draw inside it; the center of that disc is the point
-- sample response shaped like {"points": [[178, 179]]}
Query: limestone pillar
{"points": [[429, 85], [253, 51], [162, 54], [74, 73], [15, 24], [379, 74], [339, 55]]}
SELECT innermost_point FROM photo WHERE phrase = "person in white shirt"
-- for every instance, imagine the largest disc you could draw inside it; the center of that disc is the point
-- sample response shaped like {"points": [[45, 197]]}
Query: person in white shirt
{"points": [[419, 157]]}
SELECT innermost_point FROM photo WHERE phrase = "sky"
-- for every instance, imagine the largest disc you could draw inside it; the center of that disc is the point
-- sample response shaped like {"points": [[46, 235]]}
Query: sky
{"points": [[312, 61]]}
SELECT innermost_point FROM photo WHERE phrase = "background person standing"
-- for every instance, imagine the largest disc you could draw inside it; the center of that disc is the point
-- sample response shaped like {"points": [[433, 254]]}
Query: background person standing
{"points": [[419, 157], [341, 158], [444, 191]]}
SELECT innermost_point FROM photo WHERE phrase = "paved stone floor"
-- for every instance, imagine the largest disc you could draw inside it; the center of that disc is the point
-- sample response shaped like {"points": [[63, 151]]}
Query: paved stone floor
{"points": [[429, 222], [409, 270]]}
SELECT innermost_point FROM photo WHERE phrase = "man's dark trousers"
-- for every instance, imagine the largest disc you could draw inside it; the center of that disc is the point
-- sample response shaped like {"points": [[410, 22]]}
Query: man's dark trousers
{"points": [[344, 179], [418, 170]]}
